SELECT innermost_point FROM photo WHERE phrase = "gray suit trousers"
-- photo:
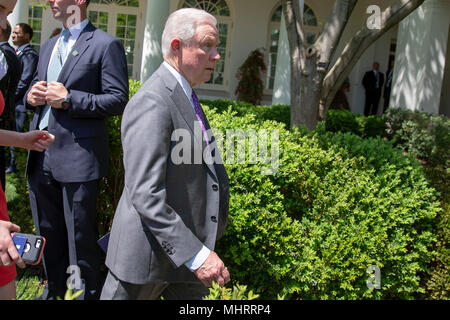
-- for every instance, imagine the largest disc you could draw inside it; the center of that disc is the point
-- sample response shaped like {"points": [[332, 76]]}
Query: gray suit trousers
{"points": [[115, 289]]}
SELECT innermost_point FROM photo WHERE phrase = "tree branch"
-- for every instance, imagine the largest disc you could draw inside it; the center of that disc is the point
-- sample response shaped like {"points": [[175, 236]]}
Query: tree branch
{"points": [[356, 47]]}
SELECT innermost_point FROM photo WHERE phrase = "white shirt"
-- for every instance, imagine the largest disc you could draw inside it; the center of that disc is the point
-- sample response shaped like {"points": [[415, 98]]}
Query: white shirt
{"points": [[203, 254]]}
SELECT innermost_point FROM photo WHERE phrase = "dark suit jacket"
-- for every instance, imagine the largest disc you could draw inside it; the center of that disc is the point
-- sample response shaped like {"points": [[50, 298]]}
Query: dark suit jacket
{"points": [[29, 60], [8, 85], [369, 82], [168, 210], [96, 75]]}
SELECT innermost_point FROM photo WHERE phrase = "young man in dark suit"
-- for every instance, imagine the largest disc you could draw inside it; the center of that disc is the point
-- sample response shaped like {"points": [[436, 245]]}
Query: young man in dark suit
{"points": [[8, 85], [81, 80], [28, 58], [373, 83]]}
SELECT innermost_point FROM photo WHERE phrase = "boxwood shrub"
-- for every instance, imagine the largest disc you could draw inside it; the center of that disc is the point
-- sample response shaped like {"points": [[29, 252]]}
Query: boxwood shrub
{"points": [[337, 205]]}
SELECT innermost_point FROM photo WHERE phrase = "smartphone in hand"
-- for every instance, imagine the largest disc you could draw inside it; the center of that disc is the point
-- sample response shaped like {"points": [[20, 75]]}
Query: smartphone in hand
{"points": [[30, 247]]}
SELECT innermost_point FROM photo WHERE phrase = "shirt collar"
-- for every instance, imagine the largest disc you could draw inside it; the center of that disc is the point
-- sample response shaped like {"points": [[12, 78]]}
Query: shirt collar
{"points": [[75, 30], [181, 80], [22, 47]]}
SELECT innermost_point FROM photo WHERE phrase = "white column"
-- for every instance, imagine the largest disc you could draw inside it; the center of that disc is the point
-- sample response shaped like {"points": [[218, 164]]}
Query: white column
{"points": [[157, 14], [420, 59], [19, 14], [282, 82]]}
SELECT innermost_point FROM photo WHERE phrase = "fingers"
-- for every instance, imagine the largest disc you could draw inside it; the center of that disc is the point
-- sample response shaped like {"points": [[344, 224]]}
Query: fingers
{"points": [[8, 251], [13, 227], [213, 270], [41, 140], [37, 94], [56, 92], [12, 251], [5, 259]]}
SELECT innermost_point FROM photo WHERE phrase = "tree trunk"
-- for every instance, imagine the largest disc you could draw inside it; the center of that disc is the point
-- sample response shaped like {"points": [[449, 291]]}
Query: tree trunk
{"points": [[312, 87]]}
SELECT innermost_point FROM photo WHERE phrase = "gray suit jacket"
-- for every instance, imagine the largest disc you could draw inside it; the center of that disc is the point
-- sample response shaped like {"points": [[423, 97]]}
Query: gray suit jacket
{"points": [[167, 211]]}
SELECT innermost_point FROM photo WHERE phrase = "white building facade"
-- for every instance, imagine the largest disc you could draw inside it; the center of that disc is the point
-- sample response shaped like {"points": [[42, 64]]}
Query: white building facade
{"points": [[420, 44]]}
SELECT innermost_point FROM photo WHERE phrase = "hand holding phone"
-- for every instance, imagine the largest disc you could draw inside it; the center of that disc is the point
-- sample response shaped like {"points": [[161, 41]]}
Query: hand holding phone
{"points": [[8, 252], [30, 247]]}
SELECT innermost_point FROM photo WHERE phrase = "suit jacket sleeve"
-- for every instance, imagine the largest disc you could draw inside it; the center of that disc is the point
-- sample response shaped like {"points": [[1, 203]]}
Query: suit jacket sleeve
{"points": [[114, 87], [29, 64], [146, 136]]}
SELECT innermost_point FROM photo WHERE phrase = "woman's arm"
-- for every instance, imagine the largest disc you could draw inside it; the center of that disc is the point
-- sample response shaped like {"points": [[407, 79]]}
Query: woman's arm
{"points": [[37, 140]]}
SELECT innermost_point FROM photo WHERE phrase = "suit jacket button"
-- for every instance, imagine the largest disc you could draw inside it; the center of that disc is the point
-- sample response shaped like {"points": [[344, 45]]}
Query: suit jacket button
{"points": [[214, 219], [215, 187]]}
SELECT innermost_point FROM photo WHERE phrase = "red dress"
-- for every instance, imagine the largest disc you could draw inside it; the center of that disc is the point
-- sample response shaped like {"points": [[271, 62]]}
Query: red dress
{"points": [[7, 274]]}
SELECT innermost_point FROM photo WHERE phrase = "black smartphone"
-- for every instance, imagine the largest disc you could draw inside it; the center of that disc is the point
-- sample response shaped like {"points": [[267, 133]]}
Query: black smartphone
{"points": [[29, 246]]}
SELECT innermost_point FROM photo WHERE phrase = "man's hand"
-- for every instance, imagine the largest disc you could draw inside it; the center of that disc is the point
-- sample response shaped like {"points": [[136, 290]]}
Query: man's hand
{"points": [[56, 92], [8, 251], [211, 270], [37, 95], [37, 140]]}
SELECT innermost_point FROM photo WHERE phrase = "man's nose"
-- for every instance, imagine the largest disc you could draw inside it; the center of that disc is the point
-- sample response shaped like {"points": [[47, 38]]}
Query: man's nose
{"points": [[215, 54]]}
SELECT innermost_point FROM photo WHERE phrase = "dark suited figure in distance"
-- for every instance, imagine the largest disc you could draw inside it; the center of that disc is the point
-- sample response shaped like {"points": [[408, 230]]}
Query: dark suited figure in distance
{"points": [[8, 86], [28, 57], [170, 215], [373, 83], [81, 80], [387, 87]]}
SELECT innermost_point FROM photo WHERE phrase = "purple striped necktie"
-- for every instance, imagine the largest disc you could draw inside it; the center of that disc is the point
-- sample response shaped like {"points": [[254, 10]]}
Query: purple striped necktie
{"points": [[200, 115]]}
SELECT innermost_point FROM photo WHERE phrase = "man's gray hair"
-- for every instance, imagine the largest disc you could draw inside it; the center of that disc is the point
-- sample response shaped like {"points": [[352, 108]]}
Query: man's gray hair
{"points": [[182, 24]]}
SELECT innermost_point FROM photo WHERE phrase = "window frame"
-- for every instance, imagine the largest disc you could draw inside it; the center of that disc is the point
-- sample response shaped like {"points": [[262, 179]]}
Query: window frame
{"points": [[273, 25], [228, 20]]}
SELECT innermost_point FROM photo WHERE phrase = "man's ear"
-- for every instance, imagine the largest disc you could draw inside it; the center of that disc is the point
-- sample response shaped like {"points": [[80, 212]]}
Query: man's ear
{"points": [[175, 46], [80, 2]]}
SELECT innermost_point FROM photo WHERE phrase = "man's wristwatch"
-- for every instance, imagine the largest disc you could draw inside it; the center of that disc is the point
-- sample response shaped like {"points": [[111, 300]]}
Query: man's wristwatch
{"points": [[67, 102]]}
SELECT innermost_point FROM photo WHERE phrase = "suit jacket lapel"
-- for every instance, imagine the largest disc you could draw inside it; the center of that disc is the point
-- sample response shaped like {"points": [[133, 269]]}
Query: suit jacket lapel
{"points": [[185, 108], [77, 51]]}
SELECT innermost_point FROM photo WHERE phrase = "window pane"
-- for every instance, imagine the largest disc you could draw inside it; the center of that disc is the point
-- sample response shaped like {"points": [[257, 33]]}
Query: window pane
{"points": [[276, 17]]}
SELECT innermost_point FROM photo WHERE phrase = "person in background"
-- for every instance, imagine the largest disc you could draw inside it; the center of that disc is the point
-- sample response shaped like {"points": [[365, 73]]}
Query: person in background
{"points": [[28, 57], [373, 81], [387, 87], [8, 85]]}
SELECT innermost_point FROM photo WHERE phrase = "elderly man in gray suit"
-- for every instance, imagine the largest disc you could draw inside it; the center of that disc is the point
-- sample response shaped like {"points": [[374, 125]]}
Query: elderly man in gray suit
{"points": [[171, 212]]}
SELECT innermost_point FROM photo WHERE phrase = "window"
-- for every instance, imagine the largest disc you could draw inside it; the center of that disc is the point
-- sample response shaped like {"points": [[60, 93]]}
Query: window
{"points": [[221, 11], [311, 31], [35, 21], [119, 18], [126, 3], [99, 19]]}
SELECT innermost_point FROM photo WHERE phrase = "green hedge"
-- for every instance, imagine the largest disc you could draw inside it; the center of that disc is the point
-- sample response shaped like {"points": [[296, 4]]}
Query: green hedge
{"points": [[312, 230], [423, 135], [337, 205]]}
